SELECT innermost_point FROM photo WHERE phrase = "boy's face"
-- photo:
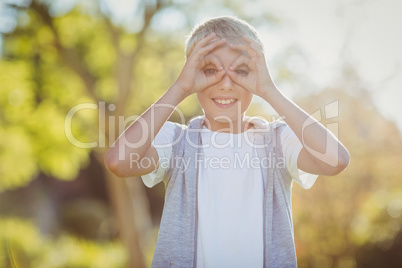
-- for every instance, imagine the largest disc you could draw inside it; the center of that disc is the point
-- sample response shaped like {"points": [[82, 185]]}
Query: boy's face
{"points": [[225, 101]]}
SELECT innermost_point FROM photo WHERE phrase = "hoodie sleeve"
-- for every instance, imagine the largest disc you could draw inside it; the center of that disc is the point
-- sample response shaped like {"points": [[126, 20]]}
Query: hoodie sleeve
{"points": [[163, 144], [291, 147]]}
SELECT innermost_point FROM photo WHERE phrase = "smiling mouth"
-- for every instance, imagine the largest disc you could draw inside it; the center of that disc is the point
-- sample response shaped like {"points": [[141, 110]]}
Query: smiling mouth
{"points": [[224, 101]]}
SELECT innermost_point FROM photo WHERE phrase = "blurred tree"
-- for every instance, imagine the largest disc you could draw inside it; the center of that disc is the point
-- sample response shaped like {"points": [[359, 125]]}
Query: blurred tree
{"points": [[24, 246], [52, 63], [55, 60], [361, 207]]}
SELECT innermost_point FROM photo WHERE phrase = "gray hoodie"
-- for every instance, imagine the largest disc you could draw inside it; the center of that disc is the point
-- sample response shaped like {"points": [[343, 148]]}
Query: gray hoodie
{"points": [[177, 240]]}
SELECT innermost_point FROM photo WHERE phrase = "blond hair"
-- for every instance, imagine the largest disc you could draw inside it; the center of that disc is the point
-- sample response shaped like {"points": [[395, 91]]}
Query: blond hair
{"points": [[226, 27]]}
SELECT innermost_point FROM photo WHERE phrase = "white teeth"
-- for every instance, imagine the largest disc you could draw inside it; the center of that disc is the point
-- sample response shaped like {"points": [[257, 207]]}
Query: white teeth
{"points": [[224, 101]]}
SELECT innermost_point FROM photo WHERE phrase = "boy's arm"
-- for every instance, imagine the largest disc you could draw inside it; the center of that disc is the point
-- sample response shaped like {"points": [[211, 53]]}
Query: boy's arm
{"points": [[136, 141], [322, 152]]}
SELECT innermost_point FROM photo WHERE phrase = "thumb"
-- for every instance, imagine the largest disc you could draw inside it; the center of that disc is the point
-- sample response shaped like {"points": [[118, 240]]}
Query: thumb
{"points": [[217, 77], [239, 79], [235, 77]]}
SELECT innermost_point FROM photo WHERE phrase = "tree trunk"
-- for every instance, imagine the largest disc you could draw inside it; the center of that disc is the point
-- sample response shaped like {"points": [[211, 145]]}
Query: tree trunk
{"points": [[124, 211]]}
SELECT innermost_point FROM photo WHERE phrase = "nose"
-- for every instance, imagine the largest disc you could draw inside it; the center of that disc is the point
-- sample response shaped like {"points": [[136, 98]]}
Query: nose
{"points": [[226, 83]]}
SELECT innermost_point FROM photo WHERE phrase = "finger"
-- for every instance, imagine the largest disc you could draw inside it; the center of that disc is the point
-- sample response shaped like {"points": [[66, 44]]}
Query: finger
{"points": [[239, 61], [216, 78], [251, 48], [211, 59], [197, 45], [211, 80], [238, 79], [251, 52], [205, 50], [205, 40], [233, 75], [256, 45], [249, 40]]}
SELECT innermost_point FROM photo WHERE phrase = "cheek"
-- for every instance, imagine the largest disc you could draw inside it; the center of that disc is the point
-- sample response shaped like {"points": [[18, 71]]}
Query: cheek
{"points": [[247, 98], [202, 98]]}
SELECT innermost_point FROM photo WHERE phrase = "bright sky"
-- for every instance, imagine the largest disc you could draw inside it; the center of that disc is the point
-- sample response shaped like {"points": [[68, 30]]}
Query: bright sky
{"points": [[369, 29]]}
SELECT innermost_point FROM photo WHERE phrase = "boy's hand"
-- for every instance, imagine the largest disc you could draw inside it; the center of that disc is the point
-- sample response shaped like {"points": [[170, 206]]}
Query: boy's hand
{"points": [[201, 70], [251, 71]]}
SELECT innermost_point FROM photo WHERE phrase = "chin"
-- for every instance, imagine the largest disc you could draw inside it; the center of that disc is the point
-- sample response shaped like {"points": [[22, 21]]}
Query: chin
{"points": [[225, 118]]}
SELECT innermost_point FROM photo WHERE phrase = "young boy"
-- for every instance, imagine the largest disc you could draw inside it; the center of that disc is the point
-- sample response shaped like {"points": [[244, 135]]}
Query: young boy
{"points": [[228, 177]]}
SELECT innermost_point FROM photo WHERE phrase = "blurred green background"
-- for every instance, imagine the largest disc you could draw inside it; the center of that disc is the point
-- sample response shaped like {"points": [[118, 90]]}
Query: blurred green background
{"points": [[110, 60]]}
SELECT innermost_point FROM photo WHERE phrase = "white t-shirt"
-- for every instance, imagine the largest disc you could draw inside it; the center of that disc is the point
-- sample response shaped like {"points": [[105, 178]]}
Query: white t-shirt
{"points": [[230, 193]]}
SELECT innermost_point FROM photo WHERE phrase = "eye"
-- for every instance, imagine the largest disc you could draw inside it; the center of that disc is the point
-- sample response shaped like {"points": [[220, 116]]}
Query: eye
{"points": [[210, 71], [242, 72]]}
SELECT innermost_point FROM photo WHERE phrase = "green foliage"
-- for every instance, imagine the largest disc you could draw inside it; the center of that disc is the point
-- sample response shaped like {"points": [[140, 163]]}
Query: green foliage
{"points": [[32, 124], [24, 246], [88, 34], [36, 93], [157, 69]]}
